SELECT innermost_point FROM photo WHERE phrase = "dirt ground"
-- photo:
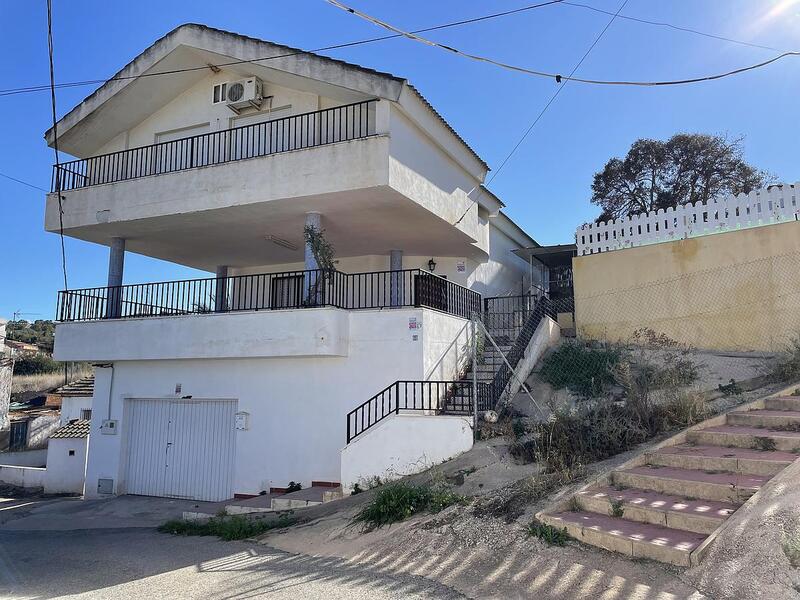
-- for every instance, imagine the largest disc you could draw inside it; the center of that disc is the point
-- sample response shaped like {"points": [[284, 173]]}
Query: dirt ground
{"points": [[487, 557]]}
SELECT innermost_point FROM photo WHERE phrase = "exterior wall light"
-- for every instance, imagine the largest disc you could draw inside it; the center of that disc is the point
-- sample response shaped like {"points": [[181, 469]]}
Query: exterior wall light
{"points": [[431, 265]]}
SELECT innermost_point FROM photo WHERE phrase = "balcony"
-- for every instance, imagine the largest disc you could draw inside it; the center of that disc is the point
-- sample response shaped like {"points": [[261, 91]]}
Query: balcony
{"points": [[297, 132], [270, 291]]}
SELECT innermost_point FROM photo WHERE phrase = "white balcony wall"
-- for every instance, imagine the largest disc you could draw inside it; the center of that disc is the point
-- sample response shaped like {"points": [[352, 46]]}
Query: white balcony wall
{"points": [[296, 405]]}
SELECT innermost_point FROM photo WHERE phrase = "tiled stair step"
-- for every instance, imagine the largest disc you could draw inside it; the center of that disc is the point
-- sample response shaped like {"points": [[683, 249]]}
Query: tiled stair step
{"points": [[691, 483], [720, 458], [646, 506], [765, 418], [783, 403], [742, 436], [634, 539]]}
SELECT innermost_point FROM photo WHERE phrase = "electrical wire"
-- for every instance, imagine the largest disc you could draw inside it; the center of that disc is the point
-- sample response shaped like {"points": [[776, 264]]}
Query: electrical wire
{"points": [[57, 181], [546, 106], [38, 88], [30, 185], [556, 76], [671, 26]]}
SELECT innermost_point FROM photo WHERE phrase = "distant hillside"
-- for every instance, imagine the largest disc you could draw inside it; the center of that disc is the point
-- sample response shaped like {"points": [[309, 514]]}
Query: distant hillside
{"points": [[39, 332]]}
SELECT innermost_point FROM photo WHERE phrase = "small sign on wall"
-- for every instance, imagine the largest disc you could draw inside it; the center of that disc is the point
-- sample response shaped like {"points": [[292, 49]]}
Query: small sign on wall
{"points": [[413, 324], [461, 266]]}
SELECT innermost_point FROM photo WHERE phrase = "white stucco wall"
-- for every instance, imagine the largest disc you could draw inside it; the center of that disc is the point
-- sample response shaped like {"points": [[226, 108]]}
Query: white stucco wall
{"points": [[308, 332], [24, 458], [71, 407], [40, 428], [297, 405], [65, 474], [25, 477], [404, 444]]}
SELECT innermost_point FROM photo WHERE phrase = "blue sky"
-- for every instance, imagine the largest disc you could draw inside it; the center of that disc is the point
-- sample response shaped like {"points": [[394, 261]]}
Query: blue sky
{"points": [[546, 185]]}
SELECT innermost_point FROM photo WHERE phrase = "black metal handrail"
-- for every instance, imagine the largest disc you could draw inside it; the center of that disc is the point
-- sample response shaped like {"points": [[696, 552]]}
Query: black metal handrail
{"points": [[306, 130], [270, 291], [436, 397], [542, 307]]}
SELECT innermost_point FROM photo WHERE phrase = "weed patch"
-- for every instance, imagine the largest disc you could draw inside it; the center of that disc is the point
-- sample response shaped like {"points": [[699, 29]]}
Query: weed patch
{"points": [[237, 527], [584, 368], [791, 548], [548, 534], [617, 509], [764, 443], [396, 502], [787, 367]]}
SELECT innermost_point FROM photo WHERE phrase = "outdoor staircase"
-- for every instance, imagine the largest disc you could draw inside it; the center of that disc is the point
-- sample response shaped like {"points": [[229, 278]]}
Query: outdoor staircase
{"points": [[672, 503]]}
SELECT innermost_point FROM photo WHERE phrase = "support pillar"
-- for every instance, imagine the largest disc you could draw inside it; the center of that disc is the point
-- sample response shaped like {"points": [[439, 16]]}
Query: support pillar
{"points": [[221, 289], [396, 277], [312, 282], [116, 267]]}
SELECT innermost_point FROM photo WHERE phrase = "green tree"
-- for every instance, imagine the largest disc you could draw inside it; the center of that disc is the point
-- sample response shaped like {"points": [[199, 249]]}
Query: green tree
{"points": [[689, 167]]}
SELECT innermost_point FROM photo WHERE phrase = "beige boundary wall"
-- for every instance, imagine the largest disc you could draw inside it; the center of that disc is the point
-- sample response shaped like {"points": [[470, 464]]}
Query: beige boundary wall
{"points": [[738, 290]]}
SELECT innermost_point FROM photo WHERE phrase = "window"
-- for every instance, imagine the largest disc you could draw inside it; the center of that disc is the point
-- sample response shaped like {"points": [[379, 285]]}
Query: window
{"points": [[86, 414], [220, 93]]}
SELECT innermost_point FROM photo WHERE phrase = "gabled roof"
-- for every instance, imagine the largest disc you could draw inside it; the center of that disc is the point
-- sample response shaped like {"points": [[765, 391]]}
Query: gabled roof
{"points": [[165, 62], [77, 389], [73, 429]]}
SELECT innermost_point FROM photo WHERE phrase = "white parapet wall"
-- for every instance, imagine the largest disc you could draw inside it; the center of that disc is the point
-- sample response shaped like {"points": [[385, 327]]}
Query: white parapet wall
{"points": [[547, 334], [24, 458], [25, 477], [404, 444], [775, 204], [66, 466]]}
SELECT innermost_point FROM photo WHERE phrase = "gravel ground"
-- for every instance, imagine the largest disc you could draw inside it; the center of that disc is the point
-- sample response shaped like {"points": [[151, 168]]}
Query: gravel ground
{"points": [[141, 563]]}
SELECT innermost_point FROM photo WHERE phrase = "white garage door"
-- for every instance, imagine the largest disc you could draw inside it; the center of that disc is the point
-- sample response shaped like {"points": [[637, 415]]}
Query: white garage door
{"points": [[180, 448]]}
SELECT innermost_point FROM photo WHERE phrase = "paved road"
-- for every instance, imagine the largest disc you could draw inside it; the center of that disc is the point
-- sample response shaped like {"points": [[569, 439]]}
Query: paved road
{"points": [[41, 556], [141, 563]]}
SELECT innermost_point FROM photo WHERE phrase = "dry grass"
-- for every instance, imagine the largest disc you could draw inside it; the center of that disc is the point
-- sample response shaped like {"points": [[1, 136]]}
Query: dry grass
{"points": [[46, 381]]}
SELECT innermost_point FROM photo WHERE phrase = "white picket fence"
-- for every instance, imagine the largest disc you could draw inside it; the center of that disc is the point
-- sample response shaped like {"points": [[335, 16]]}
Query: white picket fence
{"points": [[776, 204]]}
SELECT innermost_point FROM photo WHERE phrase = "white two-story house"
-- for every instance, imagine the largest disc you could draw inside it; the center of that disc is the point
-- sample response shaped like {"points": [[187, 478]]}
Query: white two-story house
{"points": [[216, 151]]}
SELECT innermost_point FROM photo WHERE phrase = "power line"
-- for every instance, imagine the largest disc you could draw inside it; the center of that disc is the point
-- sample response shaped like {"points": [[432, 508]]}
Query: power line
{"points": [[30, 185], [556, 76], [671, 26], [555, 95], [39, 88], [55, 139]]}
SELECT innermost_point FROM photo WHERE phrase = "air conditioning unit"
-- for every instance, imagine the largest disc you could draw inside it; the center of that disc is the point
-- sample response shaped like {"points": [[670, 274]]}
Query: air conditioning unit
{"points": [[245, 93]]}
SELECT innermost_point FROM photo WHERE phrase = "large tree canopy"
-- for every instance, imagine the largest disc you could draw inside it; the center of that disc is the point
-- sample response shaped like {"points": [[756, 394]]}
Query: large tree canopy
{"points": [[686, 168]]}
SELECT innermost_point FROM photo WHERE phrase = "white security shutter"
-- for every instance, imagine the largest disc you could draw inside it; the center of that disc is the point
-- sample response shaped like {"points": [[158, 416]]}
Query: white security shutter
{"points": [[180, 448]]}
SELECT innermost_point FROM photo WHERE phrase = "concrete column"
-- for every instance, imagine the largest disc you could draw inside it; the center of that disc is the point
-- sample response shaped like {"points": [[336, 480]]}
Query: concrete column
{"points": [[116, 267], [221, 289], [396, 277], [312, 282]]}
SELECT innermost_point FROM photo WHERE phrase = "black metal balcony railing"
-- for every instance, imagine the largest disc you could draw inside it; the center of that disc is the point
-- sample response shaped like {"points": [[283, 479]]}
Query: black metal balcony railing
{"points": [[307, 130], [270, 291]]}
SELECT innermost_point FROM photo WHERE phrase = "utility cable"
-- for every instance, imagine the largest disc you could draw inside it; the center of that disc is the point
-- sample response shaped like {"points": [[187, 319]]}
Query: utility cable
{"points": [[57, 181], [556, 76]]}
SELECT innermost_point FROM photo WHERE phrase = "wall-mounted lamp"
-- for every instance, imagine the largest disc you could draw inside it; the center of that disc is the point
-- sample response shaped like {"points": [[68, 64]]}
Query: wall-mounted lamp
{"points": [[431, 265]]}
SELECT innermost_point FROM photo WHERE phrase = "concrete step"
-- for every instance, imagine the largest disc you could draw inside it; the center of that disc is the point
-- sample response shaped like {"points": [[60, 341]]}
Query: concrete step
{"points": [[646, 506], [720, 458], [765, 418], [741, 436], [244, 506], [311, 496], [783, 403], [691, 483], [634, 539]]}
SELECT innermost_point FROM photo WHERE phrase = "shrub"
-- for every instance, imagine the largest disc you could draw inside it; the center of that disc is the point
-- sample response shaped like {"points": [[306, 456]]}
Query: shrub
{"points": [[583, 368], [35, 364], [787, 368], [293, 487], [398, 501], [237, 527], [548, 534], [791, 548]]}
